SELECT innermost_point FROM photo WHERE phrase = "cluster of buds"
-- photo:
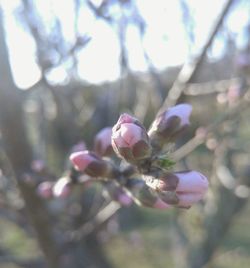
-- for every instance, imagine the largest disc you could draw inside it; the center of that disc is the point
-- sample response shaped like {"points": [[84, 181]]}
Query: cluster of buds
{"points": [[144, 175], [150, 182]]}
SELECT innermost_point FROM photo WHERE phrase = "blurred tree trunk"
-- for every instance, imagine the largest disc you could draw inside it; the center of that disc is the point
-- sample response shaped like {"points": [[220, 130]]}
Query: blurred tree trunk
{"points": [[19, 153], [89, 252]]}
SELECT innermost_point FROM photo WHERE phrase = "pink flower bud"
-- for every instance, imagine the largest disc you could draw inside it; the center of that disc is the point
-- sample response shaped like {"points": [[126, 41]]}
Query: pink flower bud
{"points": [[191, 188], [102, 142], [191, 182], [126, 118], [80, 146], [62, 188], [182, 111], [130, 140], [170, 124], [44, 189], [91, 164], [182, 188]]}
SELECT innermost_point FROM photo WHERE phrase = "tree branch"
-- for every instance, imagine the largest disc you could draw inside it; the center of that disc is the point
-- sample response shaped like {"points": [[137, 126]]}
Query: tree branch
{"points": [[192, 144], [190, 69]]}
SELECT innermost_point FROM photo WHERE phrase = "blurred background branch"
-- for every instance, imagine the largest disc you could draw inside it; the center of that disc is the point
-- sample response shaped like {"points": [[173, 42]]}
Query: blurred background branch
{"points": [[71, 93]]}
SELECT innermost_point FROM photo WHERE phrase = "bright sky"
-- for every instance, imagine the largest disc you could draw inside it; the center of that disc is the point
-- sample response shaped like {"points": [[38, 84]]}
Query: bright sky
{"points": [[165, 39]]}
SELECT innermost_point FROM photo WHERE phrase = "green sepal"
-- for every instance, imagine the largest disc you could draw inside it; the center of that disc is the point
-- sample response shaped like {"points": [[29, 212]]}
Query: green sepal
{"points": [[164, 162]]}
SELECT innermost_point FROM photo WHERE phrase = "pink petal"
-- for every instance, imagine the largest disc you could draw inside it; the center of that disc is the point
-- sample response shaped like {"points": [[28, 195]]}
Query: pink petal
{"points": [[81, 160], [131, 133], [118, 140], [125, 118], [183, 111], [192, 181]]}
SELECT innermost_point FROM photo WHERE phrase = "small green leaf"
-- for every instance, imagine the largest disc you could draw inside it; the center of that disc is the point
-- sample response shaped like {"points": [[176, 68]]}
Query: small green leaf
{"points": [[164, 162]]}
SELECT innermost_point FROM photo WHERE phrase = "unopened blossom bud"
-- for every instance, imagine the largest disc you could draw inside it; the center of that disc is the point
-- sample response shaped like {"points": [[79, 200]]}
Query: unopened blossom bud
{"points": [[102, 142], [44, 190], [169, 124], [92, 164], [182, 188], [130, 140], [62, 188], [191, 188]]}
